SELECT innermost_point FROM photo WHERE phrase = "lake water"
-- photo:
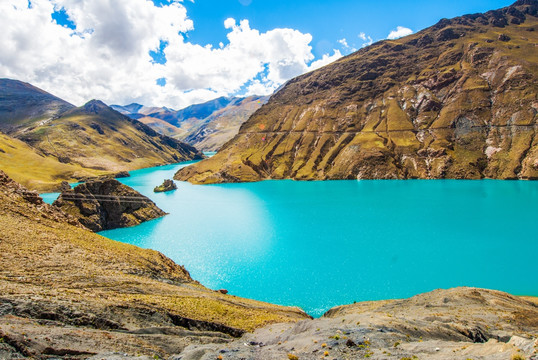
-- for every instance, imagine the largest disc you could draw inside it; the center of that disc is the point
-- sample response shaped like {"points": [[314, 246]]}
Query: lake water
{"points": [[326, 243]]}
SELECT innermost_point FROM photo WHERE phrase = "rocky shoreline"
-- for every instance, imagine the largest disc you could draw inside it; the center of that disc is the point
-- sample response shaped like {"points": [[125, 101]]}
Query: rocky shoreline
{"points": [[66, 292]]}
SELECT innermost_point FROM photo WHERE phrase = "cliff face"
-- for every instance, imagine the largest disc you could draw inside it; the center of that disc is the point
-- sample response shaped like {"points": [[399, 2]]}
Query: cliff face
{"points": [[107, 204], [457, 100]]}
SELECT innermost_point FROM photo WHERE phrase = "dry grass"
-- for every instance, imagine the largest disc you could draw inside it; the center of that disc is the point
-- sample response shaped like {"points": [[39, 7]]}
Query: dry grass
{"points": [[35, 171], [387, 93]]}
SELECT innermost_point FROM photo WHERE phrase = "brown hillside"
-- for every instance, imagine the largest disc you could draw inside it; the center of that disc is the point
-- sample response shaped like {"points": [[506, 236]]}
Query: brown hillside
{"points": [[457, 100]]}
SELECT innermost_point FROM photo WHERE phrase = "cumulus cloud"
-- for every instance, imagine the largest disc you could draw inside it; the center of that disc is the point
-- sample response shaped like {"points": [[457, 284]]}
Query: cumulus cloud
{"points": [[399, 32], [107, 54]]}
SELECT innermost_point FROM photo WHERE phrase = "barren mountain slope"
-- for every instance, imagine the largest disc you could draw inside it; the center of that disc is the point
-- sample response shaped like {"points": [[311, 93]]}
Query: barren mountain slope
{"points": [[456, 100]]}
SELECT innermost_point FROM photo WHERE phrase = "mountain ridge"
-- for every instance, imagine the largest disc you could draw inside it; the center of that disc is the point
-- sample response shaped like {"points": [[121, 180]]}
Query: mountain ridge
{"points": [[206, 126], [435, 104], [77, 142], [40, 106]]}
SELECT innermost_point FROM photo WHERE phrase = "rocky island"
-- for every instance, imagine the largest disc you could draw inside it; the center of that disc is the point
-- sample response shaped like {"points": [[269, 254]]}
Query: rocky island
{"points": [[167, 185]]}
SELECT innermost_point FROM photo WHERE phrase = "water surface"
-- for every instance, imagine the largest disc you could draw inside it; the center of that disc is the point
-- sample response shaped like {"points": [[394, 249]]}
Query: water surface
{"points": [[325, 243]]}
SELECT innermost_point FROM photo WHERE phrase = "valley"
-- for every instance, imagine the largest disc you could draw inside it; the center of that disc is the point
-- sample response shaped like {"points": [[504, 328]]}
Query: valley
{"points": [[359, 208]]}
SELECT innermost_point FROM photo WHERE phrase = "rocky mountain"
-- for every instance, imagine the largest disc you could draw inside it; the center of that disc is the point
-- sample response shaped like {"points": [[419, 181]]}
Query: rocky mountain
{"points": [[22, 104], [206, 126], [223, 124], [107, 204], [66, 292], [457, 100], [92, 139]]}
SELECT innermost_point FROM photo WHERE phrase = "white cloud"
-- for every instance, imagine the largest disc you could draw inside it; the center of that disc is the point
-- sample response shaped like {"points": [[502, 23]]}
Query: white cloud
{"points": [[107, 55], [325, 60], [399, 32], [229, 23], [344, 43], [367, 40]]}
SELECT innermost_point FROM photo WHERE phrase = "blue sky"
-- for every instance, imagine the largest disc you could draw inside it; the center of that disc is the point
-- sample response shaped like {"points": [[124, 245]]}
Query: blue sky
{"points": [[328, 21], [175, 53]]}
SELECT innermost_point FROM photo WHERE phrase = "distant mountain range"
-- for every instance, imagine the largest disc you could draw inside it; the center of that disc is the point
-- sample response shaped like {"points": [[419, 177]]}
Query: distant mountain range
{"points": [[206, 126], [457, 100], [44, 139]]}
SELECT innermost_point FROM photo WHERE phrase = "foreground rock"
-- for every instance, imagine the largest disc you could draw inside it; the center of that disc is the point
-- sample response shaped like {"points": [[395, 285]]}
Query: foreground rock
{"points": [[66, 292], [461, 323], [107, 204], [455, 101], [167, 185]]}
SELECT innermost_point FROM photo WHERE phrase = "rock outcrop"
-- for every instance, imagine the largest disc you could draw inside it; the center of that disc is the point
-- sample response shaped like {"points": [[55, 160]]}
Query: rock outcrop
{"points": [[167, 185], [107, 204], [13, 193], [460, 323], [455, 101]]}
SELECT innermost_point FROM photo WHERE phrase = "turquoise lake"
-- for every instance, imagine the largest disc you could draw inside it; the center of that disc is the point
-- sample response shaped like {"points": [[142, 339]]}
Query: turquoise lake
{"points": [[325, 243]]}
